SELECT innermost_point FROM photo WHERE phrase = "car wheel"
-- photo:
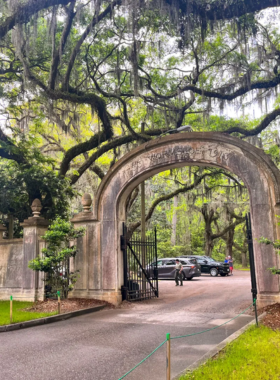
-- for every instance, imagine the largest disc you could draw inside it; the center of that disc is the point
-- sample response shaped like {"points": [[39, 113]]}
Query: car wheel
{"points": [[223, 274], [214, 272], [189, 278]]}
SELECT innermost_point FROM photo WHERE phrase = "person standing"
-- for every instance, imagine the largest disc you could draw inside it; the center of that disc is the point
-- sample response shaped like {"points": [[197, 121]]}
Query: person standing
{"points": [[178, 274], [230, 263]]}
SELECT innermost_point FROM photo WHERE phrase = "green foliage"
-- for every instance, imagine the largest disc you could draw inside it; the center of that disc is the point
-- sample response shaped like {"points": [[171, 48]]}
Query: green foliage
{"points": [[219, 193], [160, 52], [276, 246], [165, 249], [21, 184], [55, 258]]}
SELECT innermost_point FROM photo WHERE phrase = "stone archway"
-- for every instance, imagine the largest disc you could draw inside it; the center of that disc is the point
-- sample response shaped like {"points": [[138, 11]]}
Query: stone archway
{"points": [[100, 258]]}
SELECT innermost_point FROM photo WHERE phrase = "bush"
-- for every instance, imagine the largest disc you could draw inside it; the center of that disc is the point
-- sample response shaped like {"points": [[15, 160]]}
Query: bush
{"points": [[55, 260]]}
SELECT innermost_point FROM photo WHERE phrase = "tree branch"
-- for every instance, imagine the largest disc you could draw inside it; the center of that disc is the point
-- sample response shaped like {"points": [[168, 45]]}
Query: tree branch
{"points": [[63, 40], [225, 230], [217, 10], [261, 84], [255, 131], [24, 12], [156, 202], [95, 20], [109, 146]]}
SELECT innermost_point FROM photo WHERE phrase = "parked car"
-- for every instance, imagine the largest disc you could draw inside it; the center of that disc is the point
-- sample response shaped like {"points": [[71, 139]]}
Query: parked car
{"points": [[209, 265], [166, 269]]}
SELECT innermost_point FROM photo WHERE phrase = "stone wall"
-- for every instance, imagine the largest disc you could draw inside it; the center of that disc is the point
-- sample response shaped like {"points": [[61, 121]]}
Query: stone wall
{"points": [[16, 279], [11, 268]]}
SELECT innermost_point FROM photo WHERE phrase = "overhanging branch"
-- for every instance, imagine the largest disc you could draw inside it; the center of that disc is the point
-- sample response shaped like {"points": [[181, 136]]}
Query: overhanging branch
{"points": [[24, 13]]}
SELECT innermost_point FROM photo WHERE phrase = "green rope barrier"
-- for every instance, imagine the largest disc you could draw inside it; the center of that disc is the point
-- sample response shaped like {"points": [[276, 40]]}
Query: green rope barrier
{"points": [[213, 328], [142, 361], [185, 336]]}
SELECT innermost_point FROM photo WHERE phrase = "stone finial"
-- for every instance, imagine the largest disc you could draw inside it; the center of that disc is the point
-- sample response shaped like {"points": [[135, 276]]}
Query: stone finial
{"points": [[36, 208], [86, 202]]}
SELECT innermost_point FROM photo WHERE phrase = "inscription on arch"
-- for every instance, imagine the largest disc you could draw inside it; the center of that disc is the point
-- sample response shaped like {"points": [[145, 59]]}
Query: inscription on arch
{"points": [[201, 152]]}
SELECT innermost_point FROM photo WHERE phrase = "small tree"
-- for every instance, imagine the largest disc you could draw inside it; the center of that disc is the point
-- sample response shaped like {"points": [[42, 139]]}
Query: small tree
{"points": [[55, 260]]}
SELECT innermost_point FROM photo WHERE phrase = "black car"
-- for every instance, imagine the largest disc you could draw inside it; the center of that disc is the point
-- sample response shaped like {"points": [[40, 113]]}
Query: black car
{"points": [[166, 269], [209, 265]]}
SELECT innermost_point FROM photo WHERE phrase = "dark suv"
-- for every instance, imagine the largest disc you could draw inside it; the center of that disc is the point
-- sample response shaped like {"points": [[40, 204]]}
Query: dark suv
{"points": [[166, 269], [209, 265]]}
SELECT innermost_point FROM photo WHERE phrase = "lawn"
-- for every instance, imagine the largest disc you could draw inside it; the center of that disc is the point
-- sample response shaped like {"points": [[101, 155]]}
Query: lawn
{"points": [[239, 267], [18, 314], [254, 355]]}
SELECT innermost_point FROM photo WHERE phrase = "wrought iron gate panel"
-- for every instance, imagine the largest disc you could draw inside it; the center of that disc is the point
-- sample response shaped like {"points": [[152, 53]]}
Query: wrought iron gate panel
{"points": [[254, 289], [251, 255], [140, 276]]}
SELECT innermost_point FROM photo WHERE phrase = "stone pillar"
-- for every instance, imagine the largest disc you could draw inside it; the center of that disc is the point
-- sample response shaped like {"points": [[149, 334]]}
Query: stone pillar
{"points": [[33, 229], [269, 298], [87, 260]]}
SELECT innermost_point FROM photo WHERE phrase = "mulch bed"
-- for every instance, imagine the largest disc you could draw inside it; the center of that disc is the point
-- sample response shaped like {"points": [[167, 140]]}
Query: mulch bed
{"points": [[67, 306], [272, 318]]}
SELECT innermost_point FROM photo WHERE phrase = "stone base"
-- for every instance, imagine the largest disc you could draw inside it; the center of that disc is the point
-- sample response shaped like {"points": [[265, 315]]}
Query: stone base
{"points": [[267, 299], [114, 297], [21, 295]]}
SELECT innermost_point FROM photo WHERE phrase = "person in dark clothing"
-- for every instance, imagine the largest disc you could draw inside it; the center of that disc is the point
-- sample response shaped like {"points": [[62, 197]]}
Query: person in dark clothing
{"points": [[178, 274]]}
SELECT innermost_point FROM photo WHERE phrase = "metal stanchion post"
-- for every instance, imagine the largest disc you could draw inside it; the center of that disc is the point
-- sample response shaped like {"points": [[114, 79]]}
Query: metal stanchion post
{"points": [[11, 309], [58, 300], [168, 356]]}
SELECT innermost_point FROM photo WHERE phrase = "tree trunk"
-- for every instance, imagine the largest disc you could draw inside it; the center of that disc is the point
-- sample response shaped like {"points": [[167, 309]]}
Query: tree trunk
{"points": [[174, 220], [229, 242], [244, 259], [208, 247], [11, 227], [208, 238]]}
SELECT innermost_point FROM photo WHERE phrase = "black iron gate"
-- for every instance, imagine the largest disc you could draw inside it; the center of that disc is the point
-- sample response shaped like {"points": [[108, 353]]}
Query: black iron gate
{"points": [[140, 266], [252, 262]]}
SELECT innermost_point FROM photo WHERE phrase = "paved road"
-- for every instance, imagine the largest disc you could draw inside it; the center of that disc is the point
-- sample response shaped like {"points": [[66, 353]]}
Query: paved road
{"points": [[106, 344]]}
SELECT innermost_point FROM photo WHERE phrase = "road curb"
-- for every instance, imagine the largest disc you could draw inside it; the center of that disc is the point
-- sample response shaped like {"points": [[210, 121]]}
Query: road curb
{"points": [[52, 319], [214, 351]]}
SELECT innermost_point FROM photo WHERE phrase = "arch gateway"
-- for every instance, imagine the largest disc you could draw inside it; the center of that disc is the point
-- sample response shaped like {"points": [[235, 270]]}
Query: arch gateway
{"points": [[100, 257]]}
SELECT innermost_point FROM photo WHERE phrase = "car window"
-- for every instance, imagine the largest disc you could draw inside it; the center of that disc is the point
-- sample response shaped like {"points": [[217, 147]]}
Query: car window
{"points": [[183, 262], [192, 261], [170, 262], [201, 261], [160, 262]]}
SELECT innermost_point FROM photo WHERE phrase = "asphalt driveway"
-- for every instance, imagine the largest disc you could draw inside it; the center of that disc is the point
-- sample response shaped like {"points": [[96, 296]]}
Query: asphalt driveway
{"points": [[106, 344]]}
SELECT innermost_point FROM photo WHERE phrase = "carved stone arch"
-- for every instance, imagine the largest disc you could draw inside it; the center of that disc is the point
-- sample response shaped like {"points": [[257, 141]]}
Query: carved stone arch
{"points": [[251, 164]]}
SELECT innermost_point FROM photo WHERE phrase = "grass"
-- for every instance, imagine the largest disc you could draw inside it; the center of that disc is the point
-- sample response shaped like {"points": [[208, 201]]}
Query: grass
{"points": [[253, 356], [19, 315], [239, 267]]}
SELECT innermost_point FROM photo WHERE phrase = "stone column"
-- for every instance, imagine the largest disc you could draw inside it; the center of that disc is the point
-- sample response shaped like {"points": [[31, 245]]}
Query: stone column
{"points": [[33, 229], [87, 260]]}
